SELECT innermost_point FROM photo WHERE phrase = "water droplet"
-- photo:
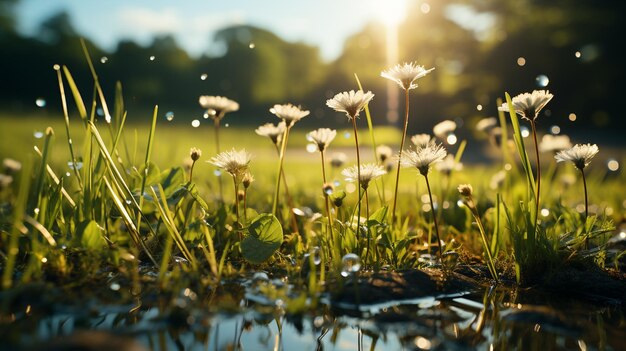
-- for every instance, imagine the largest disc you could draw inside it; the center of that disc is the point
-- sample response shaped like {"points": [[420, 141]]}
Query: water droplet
{"points": [[577, 54], [346, 135], [152, 58], [572, 117], [337, 183], [114, 286], [38, 134], [204, 76], [252, 45], [317, 257], [542, 80], [195, 123], [555, 130], [128, 202], [422, 343], [44, 260], [311, 148], [350, 264], [479, 107], [36, 210], [525, 132], [104, 59], [226, 125], [75, 165], [40, 102], [169, 116], [217, 173], [68, 174], [460, 203], [205, 115], [100, 111], [56, 67], [521, 61], [451, 139], [545, 212], [613, 165]]}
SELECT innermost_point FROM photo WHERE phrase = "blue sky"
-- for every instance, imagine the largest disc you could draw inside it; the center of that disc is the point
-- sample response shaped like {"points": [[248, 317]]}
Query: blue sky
{"points": [[325, 23]]}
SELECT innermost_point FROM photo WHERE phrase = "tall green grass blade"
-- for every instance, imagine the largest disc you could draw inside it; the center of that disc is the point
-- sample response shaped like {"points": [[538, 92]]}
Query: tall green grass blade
{"points": [[17, 226], [56, 180], [66, 118], [144, 176], [78, 99], [103, 102]]}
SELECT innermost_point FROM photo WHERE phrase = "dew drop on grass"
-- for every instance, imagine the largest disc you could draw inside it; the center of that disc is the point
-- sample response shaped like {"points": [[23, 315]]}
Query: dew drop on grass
{"points": [[114, 286], [577, 54], [545, 212], [169, 116], [36, 210], [38, 134], [195, 123], [68, 174], [337, 183], [252, 45], [311, 148], [525, 132], [204, 76], [104, 59], [56, 67], [350, 264], [205, 115], [542, 80], [217, 173], [521, 61], [572, 117], [40, 102], [226, 125], [152, 58], [128, 202], [613, 165], [346, 135], [479, 107], [44, 260], [317, 258], [100, 111], [451, 139], [75, 165]]}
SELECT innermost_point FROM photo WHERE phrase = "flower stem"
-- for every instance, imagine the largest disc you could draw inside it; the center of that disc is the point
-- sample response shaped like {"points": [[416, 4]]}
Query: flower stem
{"points": [[481, 228], [367, 214], [406, 125], [237, 224], [294, 221], [586, 207], [216, 123], [280, 168], [358, 161], [432, 207], [328, 213], [193, 163], [532, 124]]}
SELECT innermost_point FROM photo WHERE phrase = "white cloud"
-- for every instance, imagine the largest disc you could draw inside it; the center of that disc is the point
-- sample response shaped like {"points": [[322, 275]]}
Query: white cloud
{"points": [[143, 20]]}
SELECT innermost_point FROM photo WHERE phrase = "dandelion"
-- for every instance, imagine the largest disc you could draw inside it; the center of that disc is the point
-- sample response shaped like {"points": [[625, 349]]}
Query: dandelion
{"points": [[384, 152], [528, 106], [194, 154], [405, 75], [236, 163], [466, 191], [272, 131], [337, 159], [443, 129], [322, 137], [352, 103], [448, 165], [422, 159], [365, 174], [554, 143], [580, 155], [290, 114], [421, 140]]}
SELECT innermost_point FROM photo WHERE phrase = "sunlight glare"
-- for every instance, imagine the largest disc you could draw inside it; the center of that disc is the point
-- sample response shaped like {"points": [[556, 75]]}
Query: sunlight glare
{"points": [[391, 12]]}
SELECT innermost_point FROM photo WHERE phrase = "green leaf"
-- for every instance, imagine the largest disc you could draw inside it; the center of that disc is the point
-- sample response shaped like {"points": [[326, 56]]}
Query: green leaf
{"points": [[90, 235], [171, 179], [379, 216], [265, 235]]}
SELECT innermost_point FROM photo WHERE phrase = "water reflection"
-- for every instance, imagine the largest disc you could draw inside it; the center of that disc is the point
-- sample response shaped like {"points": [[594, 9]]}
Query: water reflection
{"points": [[233, 319]]}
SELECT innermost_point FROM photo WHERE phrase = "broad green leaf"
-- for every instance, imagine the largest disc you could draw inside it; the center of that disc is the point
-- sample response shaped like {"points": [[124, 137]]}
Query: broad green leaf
{"points": [[90, 235], [265, 235], [379, 216]]}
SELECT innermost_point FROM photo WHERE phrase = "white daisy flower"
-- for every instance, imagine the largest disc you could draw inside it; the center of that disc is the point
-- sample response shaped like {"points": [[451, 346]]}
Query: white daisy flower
{"points": [[528, 105], [350, 102], [289, 113], [423, 157], [554, 143], [322, 137], [485, 125], [580, 155], [444, 128], [234, 162], [405, 74], [218, 106], [369, 172], [274, 132]]}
